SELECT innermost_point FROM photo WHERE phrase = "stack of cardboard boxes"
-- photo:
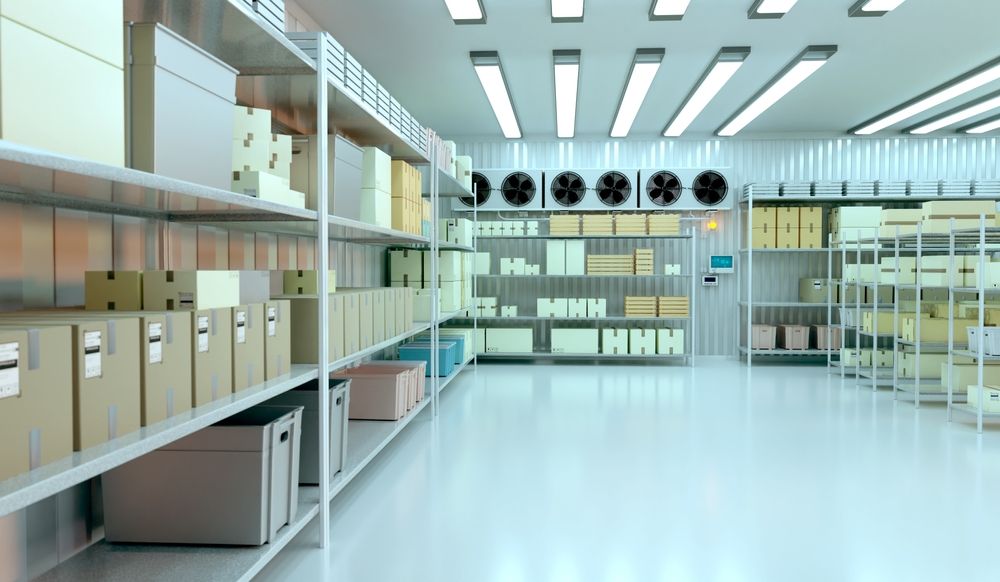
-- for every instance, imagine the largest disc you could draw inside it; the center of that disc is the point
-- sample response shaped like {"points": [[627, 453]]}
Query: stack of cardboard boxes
{"points": [[407, 201], [262, 161], [642, 342], [787, 227], [507, 228], [376, 188], [412, 268]]}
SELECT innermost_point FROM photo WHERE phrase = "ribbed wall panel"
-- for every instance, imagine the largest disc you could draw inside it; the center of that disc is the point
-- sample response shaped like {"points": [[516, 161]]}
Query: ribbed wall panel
{"points": [[792, 160]]}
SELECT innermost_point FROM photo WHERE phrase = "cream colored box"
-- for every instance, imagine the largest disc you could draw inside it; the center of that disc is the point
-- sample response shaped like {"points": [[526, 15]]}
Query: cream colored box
{"points": [[406, 265], [555, 257], [212, 346], [249, 326], [482, 263], [268, 188], [936, 271], [959, 209], [478, 333], [597, 308], [302, 316], [512, 266], [172, 290], [933, 330], [930, 365], [280, 153], [366, 318], [510, 340], [449, 265], [423, 304], [965, 375], [451, 296], [641, 342], [113, 290], [252, 155], [575, 257], [90, 27], [531, 228], [508, 311], [990, 281], [852, 357], [907, 271], [251, 123], [859, 273], [672, 269], [553, 307], [376, 170], [576, 308], [532, 269], [376, 207], [864, 217], [614, 341], [990, 396], [575, 341], [391, 325], [669, 341], [353, 342], [277, 338], [305, 282], [378, 316], [879, 358]]}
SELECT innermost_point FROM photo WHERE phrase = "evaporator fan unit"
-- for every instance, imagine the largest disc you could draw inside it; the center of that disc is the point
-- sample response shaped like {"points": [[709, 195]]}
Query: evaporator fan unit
{"points": [[710, 188], [518, 189], [613, 189], [663, 188], [568, 189], [481, 187]]}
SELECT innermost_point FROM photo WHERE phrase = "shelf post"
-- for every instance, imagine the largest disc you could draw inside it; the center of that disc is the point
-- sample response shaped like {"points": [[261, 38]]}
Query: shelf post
{"points": [[917, 315], [951, 309], [435, 290], [981, 288], [750, 280], [895, 319], [829, 303], [323, 269]]}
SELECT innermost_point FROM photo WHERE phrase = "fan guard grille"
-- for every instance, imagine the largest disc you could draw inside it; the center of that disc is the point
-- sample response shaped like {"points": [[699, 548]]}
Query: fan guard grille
{"points": [[613, 189], [518, 189], [568, 189], [663, 188], [710, 188], [481, 187]]}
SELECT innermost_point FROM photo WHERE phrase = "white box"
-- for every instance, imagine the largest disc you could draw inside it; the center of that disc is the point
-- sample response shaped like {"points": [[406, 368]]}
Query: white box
{"points": [[511, 266], [614, 341], [574, 341], [532, 269], [406, 266], [422, 304], [451, 296], [555, 257], [577, 308], [553, 307], [531, 228], [859, 273], [251, 123], [280, 155], [376, 170], [510, 341], [463, 171], [488, 302], [482, 263], [597, 308], [456, 230], [376, 207], [194, 290], [508, 311], [641, 342], [669, 341], [671, 269], [990, 396], [575, 257], [251, 155], [449, 266], [486, 311], [516, 227]]}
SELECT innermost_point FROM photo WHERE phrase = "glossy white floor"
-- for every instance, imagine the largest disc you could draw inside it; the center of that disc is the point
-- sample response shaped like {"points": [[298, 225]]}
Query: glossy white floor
{"points": [[630, 473]]}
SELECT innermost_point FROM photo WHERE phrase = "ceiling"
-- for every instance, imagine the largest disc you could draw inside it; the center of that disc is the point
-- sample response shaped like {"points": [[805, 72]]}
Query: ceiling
{"points": [[415, 50]]}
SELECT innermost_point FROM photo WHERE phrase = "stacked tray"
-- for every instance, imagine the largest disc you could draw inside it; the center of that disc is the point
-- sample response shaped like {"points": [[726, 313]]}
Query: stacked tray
{"points": [[641, 307], [598, 225], [643, 261], [679, 307], [610, 265], [664, 224], [564, 225], [630, 224]]}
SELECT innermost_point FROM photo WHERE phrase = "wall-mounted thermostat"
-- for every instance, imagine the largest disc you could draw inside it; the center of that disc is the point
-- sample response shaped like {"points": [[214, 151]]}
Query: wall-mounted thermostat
{"points": [[721, 264], [709, 280]]}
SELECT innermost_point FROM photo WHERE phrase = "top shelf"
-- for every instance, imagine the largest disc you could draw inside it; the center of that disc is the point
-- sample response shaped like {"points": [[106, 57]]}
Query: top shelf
{"points": [[588, 237], [449, 186]]}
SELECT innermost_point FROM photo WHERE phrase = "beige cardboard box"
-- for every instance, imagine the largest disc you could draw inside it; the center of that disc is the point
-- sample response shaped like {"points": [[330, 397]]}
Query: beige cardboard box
{"points": [[389, 299], [859, 273], [811, 217], [576, 308], [252, 155], [36, 398], [277, 338], [813, 290], [376, 396], [251, 123], [478, 333], [885, 321], [880, 358], [937, 271], [850, 357], [788, 218], [548, 307], [423, 305], [301, 282], [305, 326], [826, 337], [378, 316], [934, 330], [857, 217], [407, 266], [576, 260], [641, 342], [992, 270], [614, 341], [510, 340], [172, 290], [508, 311], [575, 341], [965, 375], [793, 337], [930, 364], [669, 341], [959, 210], [764, 238], [113, 290], [212, 346], [249, 326], [400, 310], [407, 295], [907, 270], [255, 287], [765, 217], [451, 296], [357, 312], [555, 257], [990, 395], [811, 237], [787, 238], [899, 222], [449, 265], [945, 225]]}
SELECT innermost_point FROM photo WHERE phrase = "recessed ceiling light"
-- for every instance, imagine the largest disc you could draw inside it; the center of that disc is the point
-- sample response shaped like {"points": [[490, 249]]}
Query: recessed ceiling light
{"points": [[490, 72], [668, 9], [726, 63], [770, 8], [566, 65], [801, 68], [873, 7], [645, 64], [466, 11], [942, 93], [986, 125], [958, 115], [567, 10]]}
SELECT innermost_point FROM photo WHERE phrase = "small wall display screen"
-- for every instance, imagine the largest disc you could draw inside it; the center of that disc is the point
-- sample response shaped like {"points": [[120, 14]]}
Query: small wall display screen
{"points": [[721, 264]]}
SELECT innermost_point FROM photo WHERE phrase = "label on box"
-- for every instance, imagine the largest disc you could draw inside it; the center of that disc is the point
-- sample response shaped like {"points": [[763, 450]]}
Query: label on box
{"points": [[202, 334], [186, 300], [241, 327], [91, 354], [155, 343], [10, 380], [272, 321]]}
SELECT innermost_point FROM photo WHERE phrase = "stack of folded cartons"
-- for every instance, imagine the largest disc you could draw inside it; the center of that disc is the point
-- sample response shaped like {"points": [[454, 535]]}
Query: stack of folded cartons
{"points": [[610, 265], [664, 224], [262, 161], [564, 225], [598, 225], [630, 225], [677, 307], [641, 307], [643, 261]]}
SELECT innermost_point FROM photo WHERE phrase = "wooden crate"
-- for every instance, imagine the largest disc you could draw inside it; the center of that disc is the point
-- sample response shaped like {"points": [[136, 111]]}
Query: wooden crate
{"points": [[673, 307], [664, 224], [564, 225], [631, 224], [643, 261], [641, 307], [610, 265], [598, 225]]}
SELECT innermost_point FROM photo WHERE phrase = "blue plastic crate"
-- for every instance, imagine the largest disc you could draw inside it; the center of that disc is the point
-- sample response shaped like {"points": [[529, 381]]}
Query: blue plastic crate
{"points": [[422, 351]]}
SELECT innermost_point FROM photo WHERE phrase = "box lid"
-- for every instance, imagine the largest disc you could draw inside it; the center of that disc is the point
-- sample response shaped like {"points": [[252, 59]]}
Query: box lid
{"points": [[152, 44]]}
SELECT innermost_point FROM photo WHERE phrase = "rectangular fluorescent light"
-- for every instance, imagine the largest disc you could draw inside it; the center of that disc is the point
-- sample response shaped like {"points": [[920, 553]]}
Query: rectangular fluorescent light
{"points": [[957, 87], [770, 8], [668, 9], [466, 11], [970, 110], [566, 65], [801, 68], [726, 63], [490, 72], [984, 126], [645, 64], [567, 10], [873, 7]]}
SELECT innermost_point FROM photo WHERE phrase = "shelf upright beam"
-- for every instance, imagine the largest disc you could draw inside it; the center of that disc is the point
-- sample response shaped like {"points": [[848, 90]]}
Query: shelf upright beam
{"points": [[829, 302], [981, 288], [475, 283], [693, 303], [876, 272], [750, 280], [857, 312], [951, 310], [917, 314], [843, 309], [435, 247], [895, 319], [323, 269]]}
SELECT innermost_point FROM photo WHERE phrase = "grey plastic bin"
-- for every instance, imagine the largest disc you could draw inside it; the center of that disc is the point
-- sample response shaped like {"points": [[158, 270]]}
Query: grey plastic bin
{"points": [[233, 483], [307, 396]]}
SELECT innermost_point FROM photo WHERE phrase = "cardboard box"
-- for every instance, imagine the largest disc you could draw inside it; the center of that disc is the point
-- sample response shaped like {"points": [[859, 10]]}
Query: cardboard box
{"points": [[899, 222], [451, 296], [669, 341], [826, 337], [378, 316], [510, 340], [277, 338], [614, 341], [304, 348], [641, 342], [248, 331], [878, 358], [548, 307], [575, 341], [113, 290], [793, 337], [860, 273], [376, 170], [933, 330], [852, 357], [811, 217], [811, 237], [965, 375], [990, 281], [937, 271], [197, 290], [482, 263], [930, 365], [885, 321], [376, 395], [251, 155], [576, 259], [212, 346], [597, 308], [764, 238], [36, 397], [576, 308], [449, 266], [511, 266], [763, 337], [906, 271], [508, 311], [251, 123], [366, 318], [423, 305], [477, 337], [344, 174], [989, 395], [406, 266], [814, 290], [764, 217], [788, 218], [301, 282], [376, 207], [555, 257], [960, 210]]}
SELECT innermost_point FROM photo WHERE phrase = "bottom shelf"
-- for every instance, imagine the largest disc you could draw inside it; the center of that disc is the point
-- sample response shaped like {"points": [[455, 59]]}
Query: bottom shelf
{"points": [[550, 355], [127, 562], [974, 411], [930, 390], [783, 352], [454, 373]]}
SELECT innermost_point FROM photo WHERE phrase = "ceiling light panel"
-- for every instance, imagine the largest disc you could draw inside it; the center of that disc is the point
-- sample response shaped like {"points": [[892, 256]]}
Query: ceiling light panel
{"points": [[490, 73], [566, 72], [668, 9], [466, 11], [958, 115], [567, 10], [873, 7], [645, 64], [984, 126], [801, 68], [957, 87], [726, 63], [770, 8]]}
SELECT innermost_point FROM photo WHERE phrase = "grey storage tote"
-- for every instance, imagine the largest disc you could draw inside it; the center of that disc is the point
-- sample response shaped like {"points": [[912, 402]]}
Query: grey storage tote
{"points": [[307, 396], [233, 483]]}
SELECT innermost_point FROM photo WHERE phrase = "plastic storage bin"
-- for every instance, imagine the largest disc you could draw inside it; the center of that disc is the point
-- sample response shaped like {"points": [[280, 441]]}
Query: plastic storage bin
{"points": [[422, 351], [233, 483], [307, 396]]}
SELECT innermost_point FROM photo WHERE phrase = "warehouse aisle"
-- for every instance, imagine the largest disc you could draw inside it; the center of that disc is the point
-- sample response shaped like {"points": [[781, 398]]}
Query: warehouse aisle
{"points": [[625, 473]]}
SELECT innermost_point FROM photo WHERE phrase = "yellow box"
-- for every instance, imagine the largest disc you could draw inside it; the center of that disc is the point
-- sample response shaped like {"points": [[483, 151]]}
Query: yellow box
{"points": [[306, 282], [811, 217], [764, 238], [764, 217], [787, 217], [787, 237], [811, 237], [934, 330], [931, 365], [113, 290], [959, 209]]}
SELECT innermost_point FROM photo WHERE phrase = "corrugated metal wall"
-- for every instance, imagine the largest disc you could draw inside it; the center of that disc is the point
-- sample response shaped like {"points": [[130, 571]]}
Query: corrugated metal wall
{"points": [[792, 160]]}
